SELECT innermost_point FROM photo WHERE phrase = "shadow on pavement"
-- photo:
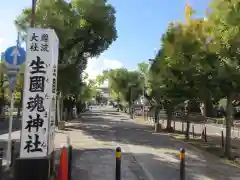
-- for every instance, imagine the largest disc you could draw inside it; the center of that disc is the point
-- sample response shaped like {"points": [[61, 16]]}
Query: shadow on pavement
{"points": [[127, 132], [99, 164]]}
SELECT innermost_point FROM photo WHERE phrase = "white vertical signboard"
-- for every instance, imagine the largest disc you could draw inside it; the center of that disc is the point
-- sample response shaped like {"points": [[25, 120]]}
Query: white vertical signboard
{"points": [[55, 43], [37, 93]]}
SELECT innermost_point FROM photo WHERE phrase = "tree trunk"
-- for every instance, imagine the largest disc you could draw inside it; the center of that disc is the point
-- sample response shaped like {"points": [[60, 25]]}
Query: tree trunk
{"points": [[192, 107], [65, 114], [187, 130], [130, 104], [118, 105], [208, 108], [156, 113], [169, 109], [229, 116]]}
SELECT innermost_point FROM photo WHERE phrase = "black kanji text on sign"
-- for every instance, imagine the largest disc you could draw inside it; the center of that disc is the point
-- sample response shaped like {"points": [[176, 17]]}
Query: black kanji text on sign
{"points": [[34, 37], [38, 66], [33, 144], [44, 47], [34, 47], [37, 84], [36, 103], [44, 38], [34, 123]]}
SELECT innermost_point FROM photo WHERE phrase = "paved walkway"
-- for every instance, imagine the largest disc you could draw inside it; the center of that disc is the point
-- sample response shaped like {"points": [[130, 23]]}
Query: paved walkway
{"points": [[146, 155], [93, 159], [158, 154]]}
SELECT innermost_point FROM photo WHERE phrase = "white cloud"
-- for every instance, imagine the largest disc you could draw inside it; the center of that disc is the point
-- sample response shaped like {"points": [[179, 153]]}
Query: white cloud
{"points": [[112, 64], [97, 65]]}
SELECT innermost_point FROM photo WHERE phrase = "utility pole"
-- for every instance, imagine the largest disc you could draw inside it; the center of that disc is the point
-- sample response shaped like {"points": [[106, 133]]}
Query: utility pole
{"points": [[33, 13]]}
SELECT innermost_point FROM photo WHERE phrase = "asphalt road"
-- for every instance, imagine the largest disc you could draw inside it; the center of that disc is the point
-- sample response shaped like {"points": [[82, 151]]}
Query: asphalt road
{"points": [[4, 125], [147, 155], [155, 156]]}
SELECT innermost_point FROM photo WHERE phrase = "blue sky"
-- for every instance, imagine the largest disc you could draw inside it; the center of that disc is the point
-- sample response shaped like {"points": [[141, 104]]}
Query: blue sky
{"points": [[140, 24]]}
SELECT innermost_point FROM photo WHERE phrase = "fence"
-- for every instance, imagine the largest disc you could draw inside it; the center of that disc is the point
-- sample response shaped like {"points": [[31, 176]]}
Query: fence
{"points": [[213, 124]]}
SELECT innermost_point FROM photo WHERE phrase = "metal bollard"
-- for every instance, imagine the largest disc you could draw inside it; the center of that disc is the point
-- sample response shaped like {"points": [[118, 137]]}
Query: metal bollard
{"points": [[222, 136], [202, 134], [69, 162], [182, 164], [1, 160], [12, 153], [118, 163], [205, 134], [193, 133]]}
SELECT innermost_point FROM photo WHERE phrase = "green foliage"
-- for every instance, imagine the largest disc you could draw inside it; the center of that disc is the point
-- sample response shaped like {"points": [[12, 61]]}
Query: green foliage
{"points": [[123, 84], [85, 29], [185, 67], [87, 92], [199, 61], [143, 68], [224, 29]]}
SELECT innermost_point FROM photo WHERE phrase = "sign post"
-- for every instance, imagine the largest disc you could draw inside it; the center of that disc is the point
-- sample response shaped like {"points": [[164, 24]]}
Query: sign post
{"points": [[14, 56], [37, 134]]}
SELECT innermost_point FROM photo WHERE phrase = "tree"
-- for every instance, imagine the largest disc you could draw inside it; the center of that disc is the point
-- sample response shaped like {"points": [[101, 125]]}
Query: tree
{"points": [[88, 91], [143, 68], [225, 33], [101, 78], [185, 67], [19, 90], [164, 91], [86, 94], [84, 28], [125, 85]]}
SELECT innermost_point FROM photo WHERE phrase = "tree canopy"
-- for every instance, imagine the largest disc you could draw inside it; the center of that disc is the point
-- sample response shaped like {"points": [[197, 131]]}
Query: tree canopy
{"points": [[85, 29], [198, 62]]}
